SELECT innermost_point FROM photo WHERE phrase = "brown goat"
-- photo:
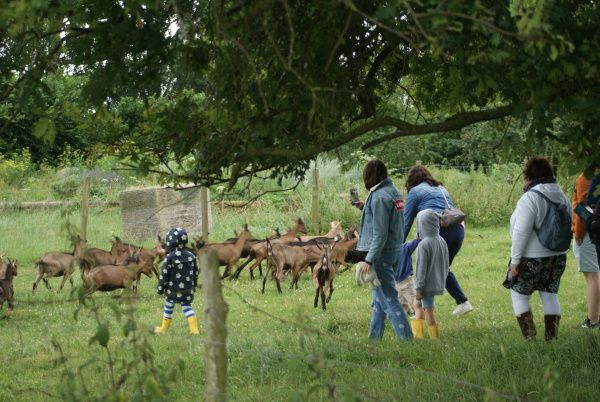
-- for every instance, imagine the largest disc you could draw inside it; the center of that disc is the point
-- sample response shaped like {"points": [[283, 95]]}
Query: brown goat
{"points": [[323, 275], [336, 230], [118, 253], [8, 270], [228, 253], [282, 257], [152, 256], [258, 253], [339, 253], [55, 264], [106, 278], [313, 251]]}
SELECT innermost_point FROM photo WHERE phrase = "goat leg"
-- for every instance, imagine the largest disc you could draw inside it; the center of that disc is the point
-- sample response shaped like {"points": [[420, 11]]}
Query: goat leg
{"points": [[226, 272], [62, 283], [316, 303], [38, 278], [323, 298], [330, 291], [236, 275], [263, 284]]}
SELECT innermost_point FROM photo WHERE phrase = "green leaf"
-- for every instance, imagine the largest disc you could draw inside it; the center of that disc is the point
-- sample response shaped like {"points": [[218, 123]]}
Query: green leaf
{"points": [[45, 130]]}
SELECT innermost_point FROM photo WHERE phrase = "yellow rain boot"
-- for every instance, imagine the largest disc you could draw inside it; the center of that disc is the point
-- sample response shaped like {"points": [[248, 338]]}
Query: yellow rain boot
{"points": [[193, 324], [417, 328], [434, 332], [162, 330]]}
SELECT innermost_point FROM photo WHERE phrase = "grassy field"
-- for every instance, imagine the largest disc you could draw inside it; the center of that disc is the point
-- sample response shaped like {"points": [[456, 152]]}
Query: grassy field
{"points": [[274, 352]]}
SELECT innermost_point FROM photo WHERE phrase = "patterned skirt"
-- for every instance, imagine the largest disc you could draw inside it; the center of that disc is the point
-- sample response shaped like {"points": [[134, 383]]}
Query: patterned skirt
{"points": [[541, 274]]}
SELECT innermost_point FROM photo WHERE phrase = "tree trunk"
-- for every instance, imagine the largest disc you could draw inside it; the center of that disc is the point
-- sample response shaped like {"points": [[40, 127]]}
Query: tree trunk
{"points": [[215, 312]]}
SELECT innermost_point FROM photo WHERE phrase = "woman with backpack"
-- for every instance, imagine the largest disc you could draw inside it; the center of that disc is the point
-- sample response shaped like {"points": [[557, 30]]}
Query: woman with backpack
{"points": [[540, 229]]}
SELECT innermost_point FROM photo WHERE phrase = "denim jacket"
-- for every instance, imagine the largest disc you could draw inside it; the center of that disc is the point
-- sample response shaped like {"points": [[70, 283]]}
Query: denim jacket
{"points": [[381, 225], [424, 196]]}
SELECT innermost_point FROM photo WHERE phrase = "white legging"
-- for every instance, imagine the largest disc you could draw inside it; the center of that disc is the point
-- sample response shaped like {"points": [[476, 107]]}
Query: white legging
{"points": [[549, 302]]}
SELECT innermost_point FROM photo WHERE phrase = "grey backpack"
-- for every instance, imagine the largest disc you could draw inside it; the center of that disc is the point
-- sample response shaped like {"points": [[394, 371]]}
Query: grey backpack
{"points": [[555, 231]]}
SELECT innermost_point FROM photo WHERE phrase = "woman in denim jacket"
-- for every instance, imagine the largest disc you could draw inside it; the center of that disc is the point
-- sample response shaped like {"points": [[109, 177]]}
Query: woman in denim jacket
{"points": [[425, 192], [381, 238]]}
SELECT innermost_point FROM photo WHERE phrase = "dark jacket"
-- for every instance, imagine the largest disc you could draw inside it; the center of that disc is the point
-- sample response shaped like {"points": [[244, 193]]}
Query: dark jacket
{"points": [[179, 273], [404, 269]]}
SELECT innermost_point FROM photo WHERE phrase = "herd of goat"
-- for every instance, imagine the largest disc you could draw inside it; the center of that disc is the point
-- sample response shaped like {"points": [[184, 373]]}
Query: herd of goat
{"points": [[123, 265]]}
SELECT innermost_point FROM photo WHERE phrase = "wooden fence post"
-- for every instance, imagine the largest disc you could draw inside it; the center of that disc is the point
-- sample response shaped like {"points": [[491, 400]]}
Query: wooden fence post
{"points": [[215, 313], [204, 212], [85, 206], [315, 201]]}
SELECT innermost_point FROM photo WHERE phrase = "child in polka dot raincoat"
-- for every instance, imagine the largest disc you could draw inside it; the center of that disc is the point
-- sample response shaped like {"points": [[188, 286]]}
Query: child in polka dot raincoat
{"points": [[177, 280]]}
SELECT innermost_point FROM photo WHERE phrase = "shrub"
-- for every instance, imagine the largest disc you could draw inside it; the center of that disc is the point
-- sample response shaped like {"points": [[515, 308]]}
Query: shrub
{"points": [[66, 188]]}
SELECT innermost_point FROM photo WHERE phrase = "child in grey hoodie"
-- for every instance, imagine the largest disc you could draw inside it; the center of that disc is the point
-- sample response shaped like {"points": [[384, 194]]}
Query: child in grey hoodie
{"points": [[432, 269]]}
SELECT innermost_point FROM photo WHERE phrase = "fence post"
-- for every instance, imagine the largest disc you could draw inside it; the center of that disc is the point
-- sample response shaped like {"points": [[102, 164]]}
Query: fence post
{"points": [[85, 206], [315, 201], [204, 212], [215, 312]]}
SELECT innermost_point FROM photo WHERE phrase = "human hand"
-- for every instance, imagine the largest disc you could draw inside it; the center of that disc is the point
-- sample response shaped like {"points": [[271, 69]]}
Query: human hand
{"points": [[514, 271], [418, 296], [359, 204], [364, 267]]}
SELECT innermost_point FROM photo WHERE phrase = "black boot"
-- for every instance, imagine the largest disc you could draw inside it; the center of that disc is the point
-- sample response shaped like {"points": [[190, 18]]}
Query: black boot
{"points": [[527, 325], [551, 323]]}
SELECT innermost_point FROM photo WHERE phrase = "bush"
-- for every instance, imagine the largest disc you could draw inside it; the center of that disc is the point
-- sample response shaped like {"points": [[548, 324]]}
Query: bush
{"points": [[66, 188], [16, 172]]}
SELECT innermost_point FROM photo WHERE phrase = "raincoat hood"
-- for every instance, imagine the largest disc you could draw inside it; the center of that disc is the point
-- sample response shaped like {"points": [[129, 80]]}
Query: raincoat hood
{"points": [[428, 223], [176, 238]]}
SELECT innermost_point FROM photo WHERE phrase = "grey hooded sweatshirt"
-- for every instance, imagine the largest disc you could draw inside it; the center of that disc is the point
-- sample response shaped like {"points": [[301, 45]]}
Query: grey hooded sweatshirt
{"points": [[432, 255]]}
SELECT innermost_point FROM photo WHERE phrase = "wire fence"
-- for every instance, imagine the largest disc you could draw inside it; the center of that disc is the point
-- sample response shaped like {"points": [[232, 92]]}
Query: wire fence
{"points": [[310, 359]]}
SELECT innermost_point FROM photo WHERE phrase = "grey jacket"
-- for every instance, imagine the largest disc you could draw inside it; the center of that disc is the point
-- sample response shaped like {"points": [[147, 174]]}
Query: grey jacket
{"points": [[432, 255], [529, 214], [381, 224]]}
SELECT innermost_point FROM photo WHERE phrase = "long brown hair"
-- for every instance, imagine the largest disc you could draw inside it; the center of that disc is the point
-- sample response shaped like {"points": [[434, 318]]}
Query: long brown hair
{"points": [[374, 172], [419, 174]]}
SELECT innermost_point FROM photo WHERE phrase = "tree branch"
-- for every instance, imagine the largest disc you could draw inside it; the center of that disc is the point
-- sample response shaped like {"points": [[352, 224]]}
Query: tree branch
{"points": [[452, 123]]}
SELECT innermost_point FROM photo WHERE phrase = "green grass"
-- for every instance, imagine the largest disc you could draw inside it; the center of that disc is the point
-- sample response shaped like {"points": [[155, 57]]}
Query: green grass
{"points": [[480, 356]]}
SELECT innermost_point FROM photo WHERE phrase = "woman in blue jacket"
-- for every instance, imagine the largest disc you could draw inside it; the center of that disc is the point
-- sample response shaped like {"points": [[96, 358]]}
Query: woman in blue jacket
{"points": [[381, 237], [425, 192]]}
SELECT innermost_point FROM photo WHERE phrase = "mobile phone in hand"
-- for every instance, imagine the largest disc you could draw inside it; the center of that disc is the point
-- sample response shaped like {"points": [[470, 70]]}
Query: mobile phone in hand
{"points": [[353, 196]]}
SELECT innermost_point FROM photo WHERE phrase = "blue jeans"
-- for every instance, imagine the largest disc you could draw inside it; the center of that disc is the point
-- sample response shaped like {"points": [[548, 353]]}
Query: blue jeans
{"points": [[385, 300], [427, 302], [454, 239]]}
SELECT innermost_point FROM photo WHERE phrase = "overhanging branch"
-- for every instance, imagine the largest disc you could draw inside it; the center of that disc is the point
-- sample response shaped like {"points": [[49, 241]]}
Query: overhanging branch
{"points": [[453, 123]]}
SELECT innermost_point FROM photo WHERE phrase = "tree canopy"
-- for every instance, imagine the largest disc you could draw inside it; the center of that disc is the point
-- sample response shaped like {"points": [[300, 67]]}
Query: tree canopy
{"points": [[212, 91]]}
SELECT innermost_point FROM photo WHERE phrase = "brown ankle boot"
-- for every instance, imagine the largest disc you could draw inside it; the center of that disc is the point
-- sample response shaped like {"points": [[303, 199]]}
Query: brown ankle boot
{"points": [[551, 329], [527, 325]]}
